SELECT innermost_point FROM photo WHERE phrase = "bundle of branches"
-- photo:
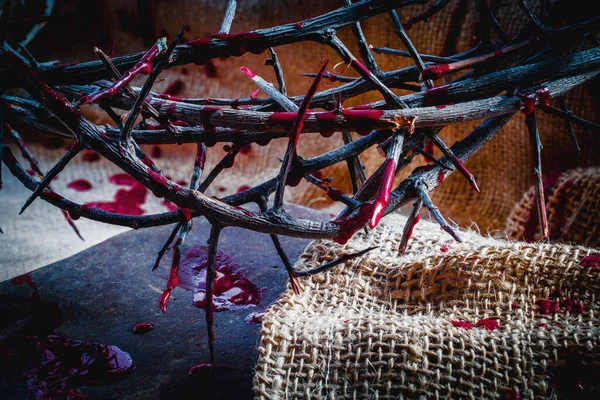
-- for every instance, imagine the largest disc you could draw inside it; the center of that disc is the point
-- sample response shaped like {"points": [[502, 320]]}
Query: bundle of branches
{"points": [[500, 76]]}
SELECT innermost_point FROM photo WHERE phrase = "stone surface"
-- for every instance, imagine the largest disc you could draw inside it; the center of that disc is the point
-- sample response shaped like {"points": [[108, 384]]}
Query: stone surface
{"points": [[98, 295]]}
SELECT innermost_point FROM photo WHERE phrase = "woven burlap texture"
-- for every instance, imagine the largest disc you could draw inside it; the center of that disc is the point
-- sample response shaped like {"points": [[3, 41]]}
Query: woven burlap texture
{"points": [[382, 326], [573, 207]]}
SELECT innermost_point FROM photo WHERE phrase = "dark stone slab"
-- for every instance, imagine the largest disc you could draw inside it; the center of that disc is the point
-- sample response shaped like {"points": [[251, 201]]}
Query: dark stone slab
{"points": [[104, 291]]}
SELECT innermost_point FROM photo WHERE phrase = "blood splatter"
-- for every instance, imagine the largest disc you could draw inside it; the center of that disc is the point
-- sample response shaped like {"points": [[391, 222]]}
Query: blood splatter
{"points": [[26, 278], [231, 289], [511, 394], [142, 328], [546, 307], [488, 324], [201, 368], [90, 156], [80, 185], [462, 324], [127, 201], [592, 261], [55, 365], [255, 317]]}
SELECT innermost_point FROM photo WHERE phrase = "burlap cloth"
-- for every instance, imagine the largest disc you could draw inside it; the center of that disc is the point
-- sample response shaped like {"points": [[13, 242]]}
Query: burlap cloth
{"points": [[482, 319]]}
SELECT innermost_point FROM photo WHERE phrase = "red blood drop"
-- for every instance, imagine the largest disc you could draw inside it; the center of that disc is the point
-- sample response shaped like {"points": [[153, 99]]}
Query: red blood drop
{"points": [[511, 394], [201, 369], [435, 71], [142, 328], [488, 324], [547, 307], [26, 278], [205, 114], [91, 156], [186, 214], [126, 201], [80, 185], [528, 101], [462, 324], [383, 196], [441, 177], [591, 261], [436, 95], [325, 122], [284, 118], [543, 95], [363, 120]]}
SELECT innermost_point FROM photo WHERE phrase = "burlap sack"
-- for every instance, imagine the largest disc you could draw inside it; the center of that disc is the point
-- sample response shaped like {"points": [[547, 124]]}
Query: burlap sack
{"points": [[482, 319], [573, 206]]}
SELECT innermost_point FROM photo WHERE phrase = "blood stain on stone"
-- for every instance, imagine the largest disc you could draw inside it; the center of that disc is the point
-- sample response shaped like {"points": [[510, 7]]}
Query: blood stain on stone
{"points": [[26, 278], [142, 328], [65, 363], [56, 365], [255, 318], [231, 289], [201, 369]]}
